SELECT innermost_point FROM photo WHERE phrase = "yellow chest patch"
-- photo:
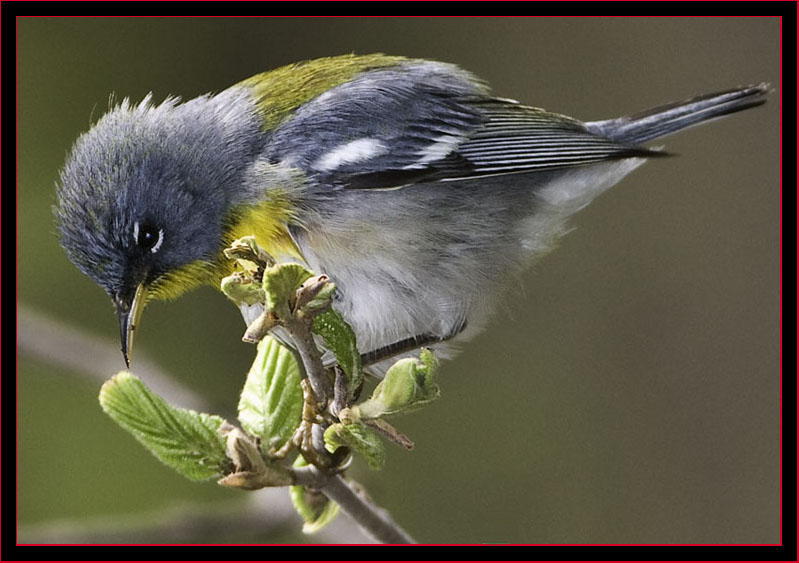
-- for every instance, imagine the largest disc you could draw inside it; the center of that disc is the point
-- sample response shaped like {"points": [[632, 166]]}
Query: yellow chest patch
{"points": [[266, 221]]}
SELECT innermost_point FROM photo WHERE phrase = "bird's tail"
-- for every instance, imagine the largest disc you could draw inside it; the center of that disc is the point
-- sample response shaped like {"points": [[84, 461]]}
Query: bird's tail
{"points": [[667, 119]]}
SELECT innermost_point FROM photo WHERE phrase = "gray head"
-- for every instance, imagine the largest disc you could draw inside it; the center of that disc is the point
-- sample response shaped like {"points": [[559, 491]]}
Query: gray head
{"points": [[145, 192]]}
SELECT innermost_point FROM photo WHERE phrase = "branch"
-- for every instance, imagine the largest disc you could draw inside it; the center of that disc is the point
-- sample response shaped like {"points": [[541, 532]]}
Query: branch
{"points": [[302, 336], [293, 297], [288, 403], [374, 521]]}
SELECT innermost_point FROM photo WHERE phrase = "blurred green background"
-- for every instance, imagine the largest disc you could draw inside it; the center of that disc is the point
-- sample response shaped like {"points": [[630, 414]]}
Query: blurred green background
{"points": [[628, 393]]}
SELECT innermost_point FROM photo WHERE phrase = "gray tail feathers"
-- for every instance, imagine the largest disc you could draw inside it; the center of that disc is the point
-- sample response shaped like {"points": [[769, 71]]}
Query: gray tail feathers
{"points": [[664, 120]]}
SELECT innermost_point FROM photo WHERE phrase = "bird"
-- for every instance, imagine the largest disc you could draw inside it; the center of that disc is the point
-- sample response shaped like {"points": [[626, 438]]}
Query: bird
{"points": [[406, 181]]}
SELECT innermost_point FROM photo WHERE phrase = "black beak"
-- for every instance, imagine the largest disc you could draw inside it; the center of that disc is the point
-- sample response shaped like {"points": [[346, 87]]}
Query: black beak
{"points": [[129, 311]]}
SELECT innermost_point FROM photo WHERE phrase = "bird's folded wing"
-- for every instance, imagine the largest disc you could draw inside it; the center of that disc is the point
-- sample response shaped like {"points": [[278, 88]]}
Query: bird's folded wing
{"points": [[392, 130]]}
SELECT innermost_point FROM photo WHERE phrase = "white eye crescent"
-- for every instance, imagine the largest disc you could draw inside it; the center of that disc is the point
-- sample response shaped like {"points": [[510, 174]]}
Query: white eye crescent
{"points": [[147, 237]]}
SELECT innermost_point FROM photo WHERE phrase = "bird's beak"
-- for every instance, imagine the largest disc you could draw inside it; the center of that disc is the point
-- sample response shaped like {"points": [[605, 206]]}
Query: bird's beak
{"points": [[129, 312]]}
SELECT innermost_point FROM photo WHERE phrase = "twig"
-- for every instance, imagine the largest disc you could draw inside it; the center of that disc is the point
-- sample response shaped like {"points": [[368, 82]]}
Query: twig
{"points": [[294, 313], [374, 521], [302, 336]]}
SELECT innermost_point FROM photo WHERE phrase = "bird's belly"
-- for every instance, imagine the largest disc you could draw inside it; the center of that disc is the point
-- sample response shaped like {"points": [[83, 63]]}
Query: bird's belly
{"points": [[427, 259]]}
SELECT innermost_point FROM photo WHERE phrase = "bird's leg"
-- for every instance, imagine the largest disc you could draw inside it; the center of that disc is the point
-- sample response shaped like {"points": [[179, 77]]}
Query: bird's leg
{"points": [[313, 452], [340, 392]]}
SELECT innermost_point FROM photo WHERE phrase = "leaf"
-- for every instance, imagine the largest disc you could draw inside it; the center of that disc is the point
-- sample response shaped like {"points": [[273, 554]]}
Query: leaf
{"points": [[340, 339], [280, 285], [360, 438], [184, 439], [270, 405]]}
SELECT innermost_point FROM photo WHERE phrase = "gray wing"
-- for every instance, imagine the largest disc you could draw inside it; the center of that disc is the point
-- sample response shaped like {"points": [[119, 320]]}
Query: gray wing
{"points": [[423, 122]]}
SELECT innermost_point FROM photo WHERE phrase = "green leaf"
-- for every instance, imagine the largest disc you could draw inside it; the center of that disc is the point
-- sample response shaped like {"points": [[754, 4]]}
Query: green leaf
{"points": [[184, 439], [360, 438], [270, 405], [340, 339], [280, 285]]}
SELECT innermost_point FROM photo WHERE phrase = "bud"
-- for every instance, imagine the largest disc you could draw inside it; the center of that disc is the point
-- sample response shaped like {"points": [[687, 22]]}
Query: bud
{"points": [[408, 384], [241, 288]]}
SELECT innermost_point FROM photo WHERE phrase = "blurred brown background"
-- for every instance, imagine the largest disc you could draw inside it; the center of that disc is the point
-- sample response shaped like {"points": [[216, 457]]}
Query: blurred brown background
{"points": [[630, 392]]}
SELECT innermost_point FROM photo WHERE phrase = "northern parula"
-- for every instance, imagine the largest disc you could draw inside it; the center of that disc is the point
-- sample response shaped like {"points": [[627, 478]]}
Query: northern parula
{"points": [[406, 181]]}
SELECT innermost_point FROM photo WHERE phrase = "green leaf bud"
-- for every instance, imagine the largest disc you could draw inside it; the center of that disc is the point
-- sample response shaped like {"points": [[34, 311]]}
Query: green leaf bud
{"points": [[408, 384]]}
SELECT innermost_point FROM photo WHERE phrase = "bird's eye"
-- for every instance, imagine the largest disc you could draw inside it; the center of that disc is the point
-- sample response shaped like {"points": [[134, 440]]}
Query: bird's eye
{"points": [[147, 236]]}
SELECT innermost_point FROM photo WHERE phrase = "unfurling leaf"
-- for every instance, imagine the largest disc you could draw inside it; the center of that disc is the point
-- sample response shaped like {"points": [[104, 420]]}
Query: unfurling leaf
{"points": [[359, 438], [184, 439], [280, 286], [270, 406]]}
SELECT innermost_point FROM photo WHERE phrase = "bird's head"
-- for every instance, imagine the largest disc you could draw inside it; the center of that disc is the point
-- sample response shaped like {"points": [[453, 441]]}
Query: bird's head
{"points": [[141, 202]]}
